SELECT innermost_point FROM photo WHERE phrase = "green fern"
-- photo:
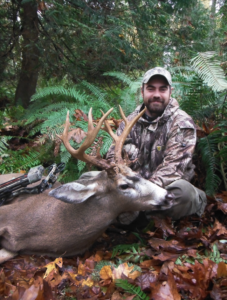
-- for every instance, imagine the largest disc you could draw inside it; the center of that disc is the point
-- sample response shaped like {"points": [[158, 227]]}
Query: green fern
{"points": [[19, 160], [209, 70], [119, 249], [4, 144], [97, 92], [70, 172], [222, 147], [121, 76], [130, 96], [60, 90], [129, 288], [209, 149], [106, 142], [81, 166]]}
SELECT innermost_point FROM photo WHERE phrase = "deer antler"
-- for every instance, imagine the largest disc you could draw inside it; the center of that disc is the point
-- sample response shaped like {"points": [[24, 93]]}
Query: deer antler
{"points": [[119, 140], [91, 135]]}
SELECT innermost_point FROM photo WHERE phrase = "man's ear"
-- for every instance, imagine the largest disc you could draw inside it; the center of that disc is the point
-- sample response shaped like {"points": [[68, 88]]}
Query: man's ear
{"points": [[171, 89], [142, 88]]}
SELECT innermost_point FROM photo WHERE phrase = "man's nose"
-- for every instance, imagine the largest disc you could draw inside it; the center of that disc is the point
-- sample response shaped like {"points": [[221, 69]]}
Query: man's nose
{"points": [[156, 94]]}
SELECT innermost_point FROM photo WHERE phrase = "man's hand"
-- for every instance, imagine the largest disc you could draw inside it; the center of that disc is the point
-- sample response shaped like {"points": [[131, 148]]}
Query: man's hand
{"points": [[131, 150]]}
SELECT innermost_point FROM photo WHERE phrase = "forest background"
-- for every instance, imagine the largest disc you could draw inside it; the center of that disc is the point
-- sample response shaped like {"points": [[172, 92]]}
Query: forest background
{"points": [[76, 54]]}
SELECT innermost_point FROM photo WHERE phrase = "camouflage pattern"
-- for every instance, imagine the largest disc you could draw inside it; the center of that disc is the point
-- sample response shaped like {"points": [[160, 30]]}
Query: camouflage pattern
{"points": [[157, 71], [163, 147]]}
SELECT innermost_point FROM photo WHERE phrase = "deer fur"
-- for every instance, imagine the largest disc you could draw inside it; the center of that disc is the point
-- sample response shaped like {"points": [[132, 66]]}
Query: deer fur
{"points": [[40, 224]]}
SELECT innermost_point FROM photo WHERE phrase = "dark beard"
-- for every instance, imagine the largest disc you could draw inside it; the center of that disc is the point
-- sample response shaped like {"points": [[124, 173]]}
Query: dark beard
{"points": [[156, 110]]}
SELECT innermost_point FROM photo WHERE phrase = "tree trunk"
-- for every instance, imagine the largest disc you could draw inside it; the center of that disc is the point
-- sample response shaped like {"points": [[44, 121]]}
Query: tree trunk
{"points": [[213, 21], [30, 54]]}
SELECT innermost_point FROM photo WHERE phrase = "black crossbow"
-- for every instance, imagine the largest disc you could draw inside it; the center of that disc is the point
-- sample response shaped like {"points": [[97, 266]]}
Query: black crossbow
{"points": [[17, 186]]}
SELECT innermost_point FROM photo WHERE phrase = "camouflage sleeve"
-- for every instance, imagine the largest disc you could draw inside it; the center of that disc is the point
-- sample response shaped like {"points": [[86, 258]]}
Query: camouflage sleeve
{"points": [[177, 161]]}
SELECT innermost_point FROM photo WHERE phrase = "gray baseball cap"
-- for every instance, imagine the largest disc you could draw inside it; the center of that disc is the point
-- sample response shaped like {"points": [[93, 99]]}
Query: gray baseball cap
{"points": [[157, 71]]}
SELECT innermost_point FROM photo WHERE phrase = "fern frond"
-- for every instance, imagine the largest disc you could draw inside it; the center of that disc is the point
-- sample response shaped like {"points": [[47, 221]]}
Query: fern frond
{"points": [[222, 146], [134, 85], [119, 249], [60, 90], [44, 112], [81, 166], [106, 142], [99, 94], [209, 70], [209, 149], [121, 76], [4, 144], [125, 285]]}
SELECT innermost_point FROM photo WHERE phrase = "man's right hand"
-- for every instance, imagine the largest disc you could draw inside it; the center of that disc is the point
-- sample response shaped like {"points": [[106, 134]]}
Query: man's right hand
{"points": [[131, 150]]}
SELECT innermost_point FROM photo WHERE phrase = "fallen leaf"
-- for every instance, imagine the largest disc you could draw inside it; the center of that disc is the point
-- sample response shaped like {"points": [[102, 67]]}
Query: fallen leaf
{"points": [[77, 135], [222, 270], [144, 280], [120, 270], [166, 290], [52, 265], [134, 275], [106, 272], [81, 269], [88, 282]]}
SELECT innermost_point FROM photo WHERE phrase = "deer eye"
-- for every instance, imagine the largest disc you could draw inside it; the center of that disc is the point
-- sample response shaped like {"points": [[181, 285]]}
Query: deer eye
{"points": [[124, 186]]}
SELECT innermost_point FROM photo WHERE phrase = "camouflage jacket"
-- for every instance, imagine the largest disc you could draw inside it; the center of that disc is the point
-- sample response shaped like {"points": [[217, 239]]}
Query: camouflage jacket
{"points": [[163, 147]]}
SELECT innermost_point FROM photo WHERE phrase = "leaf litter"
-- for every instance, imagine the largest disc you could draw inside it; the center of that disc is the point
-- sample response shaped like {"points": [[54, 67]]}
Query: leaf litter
{"points": [[184, 259]]}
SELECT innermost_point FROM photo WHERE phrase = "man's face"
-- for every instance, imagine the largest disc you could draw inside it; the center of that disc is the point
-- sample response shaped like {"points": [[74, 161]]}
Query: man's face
{"points": [[156, 95]]}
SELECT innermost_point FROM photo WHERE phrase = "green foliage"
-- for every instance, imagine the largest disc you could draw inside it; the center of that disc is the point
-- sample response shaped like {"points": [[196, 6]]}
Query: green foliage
{"points": [[129, 288], [196, 90], [20, 160], [209, 148], [129, 96], [119, 249], [133, 253], [222, 147], [209, 70], [213, 255], [4, 145]]}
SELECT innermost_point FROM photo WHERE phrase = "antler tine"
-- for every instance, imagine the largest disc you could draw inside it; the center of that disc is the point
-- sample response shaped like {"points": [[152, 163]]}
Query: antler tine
{"points": [[109, 129], [91, 135], [123, 115], [92, 132], [90, 121], [64, 137], [126, 131]]}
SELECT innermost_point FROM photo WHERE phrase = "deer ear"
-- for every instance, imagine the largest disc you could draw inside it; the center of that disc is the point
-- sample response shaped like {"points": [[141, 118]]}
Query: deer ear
{"points": [[73, 192]]}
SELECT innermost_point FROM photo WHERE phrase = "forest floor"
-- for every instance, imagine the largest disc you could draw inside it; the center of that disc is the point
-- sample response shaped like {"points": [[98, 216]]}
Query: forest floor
{"points": [[185, 259]]}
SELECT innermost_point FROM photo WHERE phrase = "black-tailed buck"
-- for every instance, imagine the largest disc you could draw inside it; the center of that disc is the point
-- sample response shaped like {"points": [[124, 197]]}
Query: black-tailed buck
{"points": [[40, 224]]}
